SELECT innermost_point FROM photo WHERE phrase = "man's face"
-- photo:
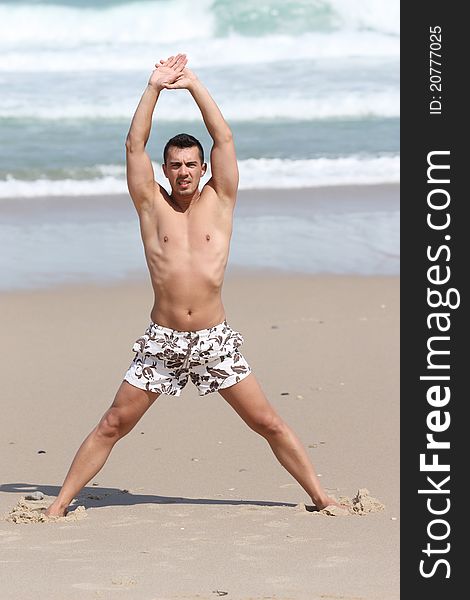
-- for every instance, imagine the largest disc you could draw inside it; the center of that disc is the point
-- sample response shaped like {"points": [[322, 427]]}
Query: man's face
{"points": [[183, 169]]}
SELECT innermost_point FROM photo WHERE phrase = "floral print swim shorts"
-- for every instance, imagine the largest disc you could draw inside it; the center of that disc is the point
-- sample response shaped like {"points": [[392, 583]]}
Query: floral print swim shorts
{"points": [[165, 359]]}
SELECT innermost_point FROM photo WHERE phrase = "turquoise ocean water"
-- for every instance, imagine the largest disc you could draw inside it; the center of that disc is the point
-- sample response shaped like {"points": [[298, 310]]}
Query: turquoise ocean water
{"points": [[310, 89]]}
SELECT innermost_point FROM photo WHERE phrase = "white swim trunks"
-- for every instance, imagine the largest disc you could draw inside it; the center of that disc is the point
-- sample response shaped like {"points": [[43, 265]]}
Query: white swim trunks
{"points": [[165, 359]]}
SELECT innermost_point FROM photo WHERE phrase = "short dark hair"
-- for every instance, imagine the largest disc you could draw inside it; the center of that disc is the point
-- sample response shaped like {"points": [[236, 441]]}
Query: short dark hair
{"points": [[183, 140]]}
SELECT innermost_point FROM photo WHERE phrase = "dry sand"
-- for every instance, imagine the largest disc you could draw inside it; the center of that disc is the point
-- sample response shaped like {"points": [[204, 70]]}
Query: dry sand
{"points": [[192, 504]]}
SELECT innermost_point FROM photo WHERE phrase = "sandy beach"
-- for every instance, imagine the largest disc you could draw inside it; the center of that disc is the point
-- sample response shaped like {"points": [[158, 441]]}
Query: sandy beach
{"points": [[192, 503]]}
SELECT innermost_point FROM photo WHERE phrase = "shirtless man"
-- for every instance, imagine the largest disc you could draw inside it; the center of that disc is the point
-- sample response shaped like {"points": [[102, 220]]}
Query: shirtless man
{"points": [[186, 236]]}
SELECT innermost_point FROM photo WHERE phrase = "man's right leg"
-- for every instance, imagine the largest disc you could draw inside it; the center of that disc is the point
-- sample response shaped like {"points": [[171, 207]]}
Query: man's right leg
{"points": [[125, 412]]}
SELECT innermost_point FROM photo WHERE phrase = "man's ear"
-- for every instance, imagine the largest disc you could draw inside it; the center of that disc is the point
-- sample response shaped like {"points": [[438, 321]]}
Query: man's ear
{"points": [[204, 169], [164, 170]]}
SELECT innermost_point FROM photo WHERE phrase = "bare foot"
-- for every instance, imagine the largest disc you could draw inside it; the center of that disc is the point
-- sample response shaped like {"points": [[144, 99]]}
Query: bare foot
{"points": [[327, 501], [56, 510]]}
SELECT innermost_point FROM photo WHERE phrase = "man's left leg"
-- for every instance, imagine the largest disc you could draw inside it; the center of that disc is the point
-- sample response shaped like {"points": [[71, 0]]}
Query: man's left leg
{"points": [[247, 398]]}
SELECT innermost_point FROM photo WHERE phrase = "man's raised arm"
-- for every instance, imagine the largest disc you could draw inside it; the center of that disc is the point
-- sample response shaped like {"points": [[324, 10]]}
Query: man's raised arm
{"points": [[140, 176], [223, 158]]}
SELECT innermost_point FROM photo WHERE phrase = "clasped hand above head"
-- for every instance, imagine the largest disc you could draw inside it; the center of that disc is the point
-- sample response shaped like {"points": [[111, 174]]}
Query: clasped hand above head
{"points": [[172, 73]]}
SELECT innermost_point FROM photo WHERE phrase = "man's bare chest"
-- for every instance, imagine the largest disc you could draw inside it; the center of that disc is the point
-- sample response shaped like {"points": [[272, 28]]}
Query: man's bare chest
{"points": [[202, 228]]}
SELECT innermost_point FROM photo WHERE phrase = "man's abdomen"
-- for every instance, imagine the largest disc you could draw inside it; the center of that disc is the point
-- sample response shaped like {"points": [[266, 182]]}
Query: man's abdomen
{"points": [[188, 298]]}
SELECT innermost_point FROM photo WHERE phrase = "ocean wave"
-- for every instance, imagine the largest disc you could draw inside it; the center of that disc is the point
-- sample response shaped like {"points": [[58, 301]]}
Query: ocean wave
{"points": [[213, 52], [44, 37], [318, 172], [254, 174], [333, 105], [74, 24], [255, 18]]}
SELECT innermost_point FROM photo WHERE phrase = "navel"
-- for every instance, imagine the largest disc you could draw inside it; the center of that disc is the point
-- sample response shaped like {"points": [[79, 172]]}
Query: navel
{"points": [[208, 237], [165, 238]]}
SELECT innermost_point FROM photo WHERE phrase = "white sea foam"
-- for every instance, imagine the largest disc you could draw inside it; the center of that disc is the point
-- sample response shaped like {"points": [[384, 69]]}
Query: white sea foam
{"points": [[354, 51], [370, 14], [232, 50], [20, 188], [236, 107], [72, 26], [132, 36], [254, 174], [170, 21], [285, 173]]}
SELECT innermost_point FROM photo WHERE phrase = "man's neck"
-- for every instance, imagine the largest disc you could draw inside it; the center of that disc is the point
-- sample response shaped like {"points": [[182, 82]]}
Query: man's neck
{"points": [[183, 203]]}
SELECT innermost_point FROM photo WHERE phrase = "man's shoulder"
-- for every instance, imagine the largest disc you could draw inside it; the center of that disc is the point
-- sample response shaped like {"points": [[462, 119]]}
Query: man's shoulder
{"points": [[151, 201], [209, 190]]}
